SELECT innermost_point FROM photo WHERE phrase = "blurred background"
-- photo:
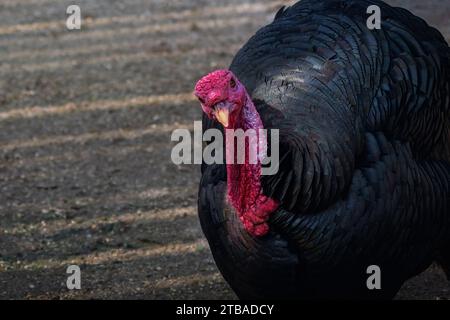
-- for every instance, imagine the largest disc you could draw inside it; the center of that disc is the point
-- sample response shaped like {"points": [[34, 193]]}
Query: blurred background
{"points": [[85, 124]]}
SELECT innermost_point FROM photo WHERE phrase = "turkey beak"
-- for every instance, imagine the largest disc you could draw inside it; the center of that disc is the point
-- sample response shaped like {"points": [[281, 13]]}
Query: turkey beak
{"points": [[222, 115]]}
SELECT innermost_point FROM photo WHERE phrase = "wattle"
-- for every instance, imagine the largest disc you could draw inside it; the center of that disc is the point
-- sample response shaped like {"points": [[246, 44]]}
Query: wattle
{"points": [[244, 181]]}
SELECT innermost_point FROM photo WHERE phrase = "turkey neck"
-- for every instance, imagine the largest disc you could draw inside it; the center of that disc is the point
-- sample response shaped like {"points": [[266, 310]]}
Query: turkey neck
{"points": [[244, 180]]}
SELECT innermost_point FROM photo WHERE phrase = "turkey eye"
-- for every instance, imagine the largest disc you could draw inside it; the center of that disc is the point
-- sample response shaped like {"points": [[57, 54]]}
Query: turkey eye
{"points": [[201, 100], [232, 83]]}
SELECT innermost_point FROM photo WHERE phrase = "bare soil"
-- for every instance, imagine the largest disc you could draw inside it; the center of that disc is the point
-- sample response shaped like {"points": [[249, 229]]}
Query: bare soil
{"points": [[85, 124]]}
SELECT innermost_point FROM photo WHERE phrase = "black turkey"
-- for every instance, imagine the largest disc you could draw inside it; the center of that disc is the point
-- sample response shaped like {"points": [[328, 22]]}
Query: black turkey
{"points": [[364, 174]]}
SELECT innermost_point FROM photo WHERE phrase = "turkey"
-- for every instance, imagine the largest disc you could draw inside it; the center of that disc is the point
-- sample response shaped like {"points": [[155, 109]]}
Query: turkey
{"points": [[364, 154]]}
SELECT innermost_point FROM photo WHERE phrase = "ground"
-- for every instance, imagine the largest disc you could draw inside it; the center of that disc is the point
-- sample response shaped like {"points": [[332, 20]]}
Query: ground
{"points": [[86, 118]]}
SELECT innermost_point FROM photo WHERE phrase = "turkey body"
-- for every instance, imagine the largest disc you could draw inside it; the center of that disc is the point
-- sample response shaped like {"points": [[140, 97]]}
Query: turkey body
{"points": [[364, 176]]}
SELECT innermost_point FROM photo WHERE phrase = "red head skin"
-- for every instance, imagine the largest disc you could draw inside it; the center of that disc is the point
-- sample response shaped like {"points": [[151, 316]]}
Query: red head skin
{"points": [[225, 99]]}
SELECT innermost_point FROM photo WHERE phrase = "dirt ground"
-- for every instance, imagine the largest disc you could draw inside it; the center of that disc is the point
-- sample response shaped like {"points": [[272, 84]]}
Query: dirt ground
{"points": [[85, 124]]}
